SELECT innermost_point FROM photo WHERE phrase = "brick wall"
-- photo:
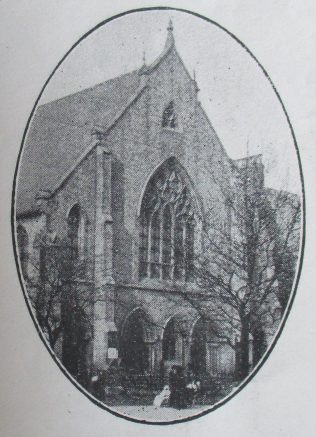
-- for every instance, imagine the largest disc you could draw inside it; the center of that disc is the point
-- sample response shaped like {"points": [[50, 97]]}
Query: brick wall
{"points": [[139, 145]]}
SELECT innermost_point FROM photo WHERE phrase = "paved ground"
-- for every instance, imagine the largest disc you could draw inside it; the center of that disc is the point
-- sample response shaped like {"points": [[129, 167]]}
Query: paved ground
{"points": [[158, 414]]}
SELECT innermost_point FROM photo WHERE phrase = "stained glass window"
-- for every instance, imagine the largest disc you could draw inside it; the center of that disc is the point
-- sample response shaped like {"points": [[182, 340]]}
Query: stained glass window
{"points": [[166, 239]]}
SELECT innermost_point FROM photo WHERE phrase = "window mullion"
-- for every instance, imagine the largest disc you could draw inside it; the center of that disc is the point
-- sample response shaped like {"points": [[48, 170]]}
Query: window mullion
{"points": [[184, 248], [173, 223], [167, 250], [161, 243]]}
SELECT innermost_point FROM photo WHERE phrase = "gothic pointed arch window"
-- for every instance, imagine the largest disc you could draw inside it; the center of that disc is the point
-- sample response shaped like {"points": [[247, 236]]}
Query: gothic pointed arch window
{"points": [[76, 231], [167, 227], [169, 117]]}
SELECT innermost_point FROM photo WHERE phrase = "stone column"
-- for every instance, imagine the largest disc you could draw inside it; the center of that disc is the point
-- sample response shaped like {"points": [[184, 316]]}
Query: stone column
{"points": [[157, 349], [151, 356], [103, 270]]}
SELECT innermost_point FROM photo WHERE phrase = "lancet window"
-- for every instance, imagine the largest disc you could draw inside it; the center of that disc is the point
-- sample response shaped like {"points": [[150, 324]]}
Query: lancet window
{"points": [[167, 223], [169, 118], [73, 229]]}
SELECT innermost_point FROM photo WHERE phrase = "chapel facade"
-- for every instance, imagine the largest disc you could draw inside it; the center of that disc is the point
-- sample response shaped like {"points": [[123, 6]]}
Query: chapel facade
{"points": [[127, 172]]}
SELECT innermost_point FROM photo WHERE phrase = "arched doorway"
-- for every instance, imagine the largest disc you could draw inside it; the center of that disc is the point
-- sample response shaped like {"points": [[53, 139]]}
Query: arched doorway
{"points": [[133, 348], [173, 345], [198, 348], [169, 341]]}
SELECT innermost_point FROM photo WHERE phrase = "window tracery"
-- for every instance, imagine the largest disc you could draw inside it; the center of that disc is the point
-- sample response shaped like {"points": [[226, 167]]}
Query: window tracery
{"points": [[166, 249]]}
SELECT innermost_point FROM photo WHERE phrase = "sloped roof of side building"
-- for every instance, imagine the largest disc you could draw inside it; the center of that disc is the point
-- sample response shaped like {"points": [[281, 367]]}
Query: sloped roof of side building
{"points": [[60, 133]]}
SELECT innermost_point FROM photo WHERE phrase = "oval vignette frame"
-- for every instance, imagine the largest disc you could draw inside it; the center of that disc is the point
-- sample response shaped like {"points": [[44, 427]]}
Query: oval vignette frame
{"points": [[299, 262]]}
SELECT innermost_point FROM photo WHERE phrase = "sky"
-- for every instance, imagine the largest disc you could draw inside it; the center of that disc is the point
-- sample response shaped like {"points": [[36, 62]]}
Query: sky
{"points": [[236, 95]]}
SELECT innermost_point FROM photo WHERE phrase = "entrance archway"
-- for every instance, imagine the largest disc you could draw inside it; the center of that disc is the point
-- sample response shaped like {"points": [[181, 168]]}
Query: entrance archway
{"points": [[134, 350], [169, 341], [198, 347], [172, 347]]}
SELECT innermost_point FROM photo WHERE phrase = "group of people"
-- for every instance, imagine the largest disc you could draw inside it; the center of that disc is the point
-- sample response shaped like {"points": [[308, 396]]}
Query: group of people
{"points": [[181, 391]]}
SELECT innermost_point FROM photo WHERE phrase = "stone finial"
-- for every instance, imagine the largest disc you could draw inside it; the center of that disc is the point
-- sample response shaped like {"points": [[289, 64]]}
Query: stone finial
{"points": [[170, 38], [197, 89]]}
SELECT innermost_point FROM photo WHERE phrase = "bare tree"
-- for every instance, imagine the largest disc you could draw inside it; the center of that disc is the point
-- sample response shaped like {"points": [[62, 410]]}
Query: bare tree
{"points": [[244, 274], [61, 301], [286, 249], [248, 264]]}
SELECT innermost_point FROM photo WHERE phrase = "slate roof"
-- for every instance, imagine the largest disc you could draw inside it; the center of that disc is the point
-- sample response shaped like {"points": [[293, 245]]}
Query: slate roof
{"points": [[60, 133]]}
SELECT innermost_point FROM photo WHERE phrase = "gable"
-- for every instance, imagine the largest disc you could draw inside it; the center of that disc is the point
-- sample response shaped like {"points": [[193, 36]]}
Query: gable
{"points": [[60, 132]]}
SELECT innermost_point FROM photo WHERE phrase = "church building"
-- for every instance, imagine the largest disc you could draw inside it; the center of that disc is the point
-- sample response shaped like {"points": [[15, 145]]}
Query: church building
{"points": [[127, 172]]}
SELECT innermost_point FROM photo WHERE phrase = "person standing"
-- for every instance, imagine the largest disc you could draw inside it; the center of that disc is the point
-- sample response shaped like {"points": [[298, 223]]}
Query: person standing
{"points": [[177, 387], [173, 387]]}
